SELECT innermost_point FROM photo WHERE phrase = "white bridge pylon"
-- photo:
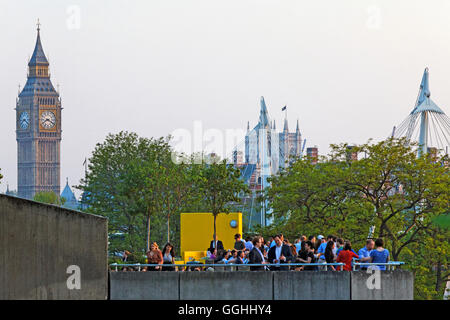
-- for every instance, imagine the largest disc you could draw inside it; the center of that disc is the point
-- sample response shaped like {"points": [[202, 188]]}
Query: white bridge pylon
{"points": [[427, 124]]}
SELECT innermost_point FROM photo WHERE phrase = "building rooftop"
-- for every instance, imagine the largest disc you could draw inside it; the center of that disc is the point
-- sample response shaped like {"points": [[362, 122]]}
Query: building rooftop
{"points": [[71, 200]]}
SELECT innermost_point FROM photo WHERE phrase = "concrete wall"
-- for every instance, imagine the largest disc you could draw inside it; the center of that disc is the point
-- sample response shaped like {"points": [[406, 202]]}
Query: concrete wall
{"points": [[392, 285], [226, 286], [311, 285], [39, 242], [259, 285], [144, 285]]}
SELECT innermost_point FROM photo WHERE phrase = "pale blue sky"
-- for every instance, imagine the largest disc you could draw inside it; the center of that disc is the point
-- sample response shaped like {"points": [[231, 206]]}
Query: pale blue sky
{"points": [[349, 70]]}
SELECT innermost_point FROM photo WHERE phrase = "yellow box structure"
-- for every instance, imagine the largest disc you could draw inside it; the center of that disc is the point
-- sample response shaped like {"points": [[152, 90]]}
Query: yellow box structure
{"points": [[194, 255], [197, 231]]}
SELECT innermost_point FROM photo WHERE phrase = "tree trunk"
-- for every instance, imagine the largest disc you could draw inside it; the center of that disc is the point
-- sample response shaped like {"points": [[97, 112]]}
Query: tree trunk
{"points": [[168, 219], [215, 237], [131, 237], [168, 227], [438, 275], [148, 232]]}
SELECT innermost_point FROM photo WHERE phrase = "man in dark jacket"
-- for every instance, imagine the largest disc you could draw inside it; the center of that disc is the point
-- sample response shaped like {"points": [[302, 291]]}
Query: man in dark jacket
{"points": [[256, 256], [279, 253], [238, 244], [219, 244]]}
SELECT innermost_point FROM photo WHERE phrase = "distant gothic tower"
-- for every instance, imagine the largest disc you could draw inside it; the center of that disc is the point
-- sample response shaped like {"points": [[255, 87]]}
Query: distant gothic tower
{"points": [[269, 149], [290, 144], [38, 129]]}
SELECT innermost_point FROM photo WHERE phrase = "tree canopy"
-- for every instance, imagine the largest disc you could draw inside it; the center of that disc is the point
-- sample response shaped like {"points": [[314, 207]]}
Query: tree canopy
{"points": [[388, 188], [135, 183], [386, 193], [49, 197], [220, 185]]}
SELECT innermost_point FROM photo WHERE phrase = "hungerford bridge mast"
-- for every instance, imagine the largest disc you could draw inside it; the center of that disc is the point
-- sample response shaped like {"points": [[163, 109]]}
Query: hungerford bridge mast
{"points": [[434, 128]]}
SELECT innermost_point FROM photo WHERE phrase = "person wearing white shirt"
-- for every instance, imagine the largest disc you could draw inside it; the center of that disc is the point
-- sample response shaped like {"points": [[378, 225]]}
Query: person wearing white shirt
{"points": [[280, 253]]}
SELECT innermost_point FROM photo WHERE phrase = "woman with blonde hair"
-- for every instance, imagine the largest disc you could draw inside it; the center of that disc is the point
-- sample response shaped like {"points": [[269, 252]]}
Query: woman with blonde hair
{"points": [[154, 256]]}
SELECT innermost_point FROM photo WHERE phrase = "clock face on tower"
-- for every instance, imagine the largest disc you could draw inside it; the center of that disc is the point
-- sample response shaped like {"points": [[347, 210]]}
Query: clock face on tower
{"points": [[47, 120], [24, 120]]}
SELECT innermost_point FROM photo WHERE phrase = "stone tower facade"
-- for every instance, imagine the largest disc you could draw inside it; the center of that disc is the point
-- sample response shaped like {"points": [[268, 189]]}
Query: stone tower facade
{"points": [[268, 148], [290, 145], [38, 129]]}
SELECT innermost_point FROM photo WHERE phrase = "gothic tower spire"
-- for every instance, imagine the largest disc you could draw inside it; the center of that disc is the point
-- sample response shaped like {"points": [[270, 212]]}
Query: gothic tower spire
{"points": [[38, 128], [264, 116], [38, 64], [286, 128], [298, 140]]}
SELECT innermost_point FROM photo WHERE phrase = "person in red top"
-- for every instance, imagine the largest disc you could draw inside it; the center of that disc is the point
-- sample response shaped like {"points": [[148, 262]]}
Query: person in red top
{"points": [[346, 255]]}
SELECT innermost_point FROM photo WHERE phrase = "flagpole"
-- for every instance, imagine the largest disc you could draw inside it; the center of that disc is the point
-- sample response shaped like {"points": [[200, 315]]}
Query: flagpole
{"points": [[285, 110], [85, 171]]}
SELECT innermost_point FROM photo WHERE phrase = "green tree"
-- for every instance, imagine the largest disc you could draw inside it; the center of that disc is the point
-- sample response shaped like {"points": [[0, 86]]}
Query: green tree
{"points": [[443, 220], [137, 185], [405, 192], [49, 197], [389, 188], [429, 260], [220, 186], [113, 187], [310, 199], [179, 191], [164, 184]]}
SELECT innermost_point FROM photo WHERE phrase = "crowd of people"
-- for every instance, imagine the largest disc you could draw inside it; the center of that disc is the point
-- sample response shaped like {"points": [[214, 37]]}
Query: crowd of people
{"points": [[277, 253]]}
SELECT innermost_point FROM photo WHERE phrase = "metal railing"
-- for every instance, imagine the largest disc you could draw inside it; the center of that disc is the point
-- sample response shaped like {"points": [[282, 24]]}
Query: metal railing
{"points": [[197, 264], [389, 265]]}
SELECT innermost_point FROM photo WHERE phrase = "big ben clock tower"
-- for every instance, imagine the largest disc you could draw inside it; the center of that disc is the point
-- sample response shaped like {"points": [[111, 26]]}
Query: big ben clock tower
{"points": [[38, 129]]}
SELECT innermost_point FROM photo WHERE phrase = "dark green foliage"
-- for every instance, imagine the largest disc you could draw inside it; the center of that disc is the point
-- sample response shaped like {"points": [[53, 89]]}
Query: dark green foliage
{"points": [[137, 185], [388, 188], [49, 198]]}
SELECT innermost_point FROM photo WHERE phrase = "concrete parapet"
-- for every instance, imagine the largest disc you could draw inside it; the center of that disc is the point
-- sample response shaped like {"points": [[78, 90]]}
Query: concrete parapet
{"points": [[311, 285], [226, 285], [39, 243], [391, 285], [152, 285], [259, 285]]}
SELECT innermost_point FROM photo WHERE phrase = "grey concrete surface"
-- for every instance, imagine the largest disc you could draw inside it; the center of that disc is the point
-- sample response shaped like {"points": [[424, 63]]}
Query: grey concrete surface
{"points": [[152, 285], [311, 285], [258, 285], [226, 285], [39, 242], [392, 285]]}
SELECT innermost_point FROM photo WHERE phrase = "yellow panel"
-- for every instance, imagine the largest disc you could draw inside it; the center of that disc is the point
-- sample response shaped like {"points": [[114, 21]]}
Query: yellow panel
{"points": [[197, 230], [196, 255]]}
